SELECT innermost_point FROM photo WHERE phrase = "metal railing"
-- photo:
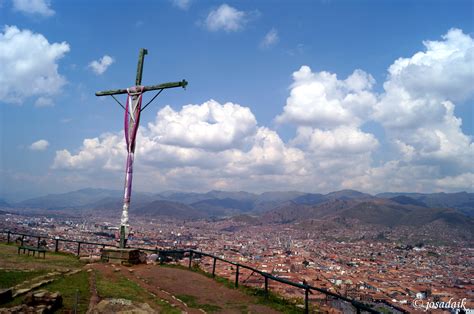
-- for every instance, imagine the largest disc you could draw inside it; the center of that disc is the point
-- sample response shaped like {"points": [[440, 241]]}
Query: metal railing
{"points": [[359, 306]]}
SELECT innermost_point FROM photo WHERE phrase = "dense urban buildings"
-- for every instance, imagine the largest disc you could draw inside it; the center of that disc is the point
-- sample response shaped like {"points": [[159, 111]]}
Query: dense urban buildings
{"points": [[369, 264]]}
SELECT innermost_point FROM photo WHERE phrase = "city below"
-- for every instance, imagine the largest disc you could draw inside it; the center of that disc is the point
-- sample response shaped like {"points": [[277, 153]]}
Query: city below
{"points": [[393, 261]]}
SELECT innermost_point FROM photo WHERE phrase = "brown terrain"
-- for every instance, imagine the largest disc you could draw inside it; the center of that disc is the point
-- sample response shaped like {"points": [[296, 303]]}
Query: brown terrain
{"points": [[169, 283]]}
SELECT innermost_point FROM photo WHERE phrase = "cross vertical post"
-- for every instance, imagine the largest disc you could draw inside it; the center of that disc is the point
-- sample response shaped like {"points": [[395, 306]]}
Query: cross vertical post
{"points": [[141, 59], [133, 109]]}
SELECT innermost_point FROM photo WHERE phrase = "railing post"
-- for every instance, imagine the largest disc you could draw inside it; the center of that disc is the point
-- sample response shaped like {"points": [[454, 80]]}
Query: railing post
{"points": [[266, 286], [38, 244], [78, 248], [8, 237], [56, 246], [214, 267], [306, 301], [237, 277], [190, 258], [22, 239]]}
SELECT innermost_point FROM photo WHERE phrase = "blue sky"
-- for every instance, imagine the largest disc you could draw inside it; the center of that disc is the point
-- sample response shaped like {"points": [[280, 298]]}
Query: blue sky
{"points": [[325, 95]]}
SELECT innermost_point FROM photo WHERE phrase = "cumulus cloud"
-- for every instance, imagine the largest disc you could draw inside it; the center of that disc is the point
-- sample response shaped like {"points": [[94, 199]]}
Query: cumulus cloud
{"points": [[444, 70], [29, 65], [342, 140], [182, 4], [209, 126], [270, 39], [417, 107], [39, 145], [221, 144], [101, 65], [328, 113], [321, 99], [37, 7], [226, 18]]}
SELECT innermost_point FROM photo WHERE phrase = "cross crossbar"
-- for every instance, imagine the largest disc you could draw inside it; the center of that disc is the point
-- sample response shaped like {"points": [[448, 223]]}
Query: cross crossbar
{"points": [[182, 84]]}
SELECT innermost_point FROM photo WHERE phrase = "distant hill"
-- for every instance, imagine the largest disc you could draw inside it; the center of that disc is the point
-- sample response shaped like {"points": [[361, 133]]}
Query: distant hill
{"points": [[310, 199], [73, 199], [405, 200], [240, 196], [84, 198], [168, 209], [461, 201], [4, 204], [348, 195], [388, 209], [223, 207], [370, 211]]}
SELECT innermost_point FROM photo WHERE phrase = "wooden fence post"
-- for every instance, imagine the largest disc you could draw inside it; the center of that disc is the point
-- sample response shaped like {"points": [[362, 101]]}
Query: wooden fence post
{"points": [[237, 277], [56, 246], [306, 301], [78, 248], [190, 258], [22, 239], [266, 287], [8, 237], [214, 267], [38, 244]]}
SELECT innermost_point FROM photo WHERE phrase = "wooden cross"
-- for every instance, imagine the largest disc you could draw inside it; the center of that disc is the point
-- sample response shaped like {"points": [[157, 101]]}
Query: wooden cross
{"points": [[133, 109]]}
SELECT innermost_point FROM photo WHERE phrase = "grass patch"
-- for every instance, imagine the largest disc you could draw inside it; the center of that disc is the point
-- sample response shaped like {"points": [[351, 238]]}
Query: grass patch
{"points": [[10, 278], [69, 286], [11, 259], [192, 302], [119, 288], [273, 300]]}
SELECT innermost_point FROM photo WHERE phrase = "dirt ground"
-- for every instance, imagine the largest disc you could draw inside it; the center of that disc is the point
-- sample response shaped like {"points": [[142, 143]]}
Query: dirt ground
{"points": [[174, 284]]}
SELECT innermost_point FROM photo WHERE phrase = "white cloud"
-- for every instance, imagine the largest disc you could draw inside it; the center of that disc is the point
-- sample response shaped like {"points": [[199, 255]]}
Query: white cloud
{"points": [[342, 140], [214, 145], [182, 4], [444, 71], [101, 65], [217, 145], [270, 39], [417, 108], [226, 18], [40, 7], [320, 99], [29, 65], [210, 126], [44, 102], [39, 145], [459, 182]]}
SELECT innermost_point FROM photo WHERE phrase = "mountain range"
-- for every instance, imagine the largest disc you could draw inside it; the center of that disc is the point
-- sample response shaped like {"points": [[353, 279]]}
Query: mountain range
{"points": [[384, 209]]}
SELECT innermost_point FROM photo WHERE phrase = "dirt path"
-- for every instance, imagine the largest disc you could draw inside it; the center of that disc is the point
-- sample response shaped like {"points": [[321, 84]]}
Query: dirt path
{"points": [[94, 296], [196, 289]]}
